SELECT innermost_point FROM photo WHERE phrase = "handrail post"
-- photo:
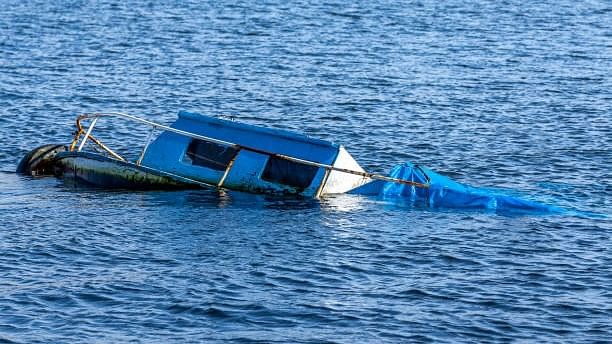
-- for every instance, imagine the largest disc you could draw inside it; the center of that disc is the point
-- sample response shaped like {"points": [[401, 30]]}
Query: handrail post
{"points": [[146, 146], [91, 126]]}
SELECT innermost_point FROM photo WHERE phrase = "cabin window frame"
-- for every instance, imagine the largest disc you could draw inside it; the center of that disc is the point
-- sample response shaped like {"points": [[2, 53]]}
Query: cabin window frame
{"points": [[285, 172], [211, 155]]}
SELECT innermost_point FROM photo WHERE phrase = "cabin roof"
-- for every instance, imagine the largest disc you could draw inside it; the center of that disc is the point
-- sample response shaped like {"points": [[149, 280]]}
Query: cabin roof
{"points": [[208, 121]]}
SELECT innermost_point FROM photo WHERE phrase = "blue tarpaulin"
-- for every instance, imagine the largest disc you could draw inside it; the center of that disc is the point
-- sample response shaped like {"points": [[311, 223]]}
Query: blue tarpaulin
{"points": [[444, 192]]}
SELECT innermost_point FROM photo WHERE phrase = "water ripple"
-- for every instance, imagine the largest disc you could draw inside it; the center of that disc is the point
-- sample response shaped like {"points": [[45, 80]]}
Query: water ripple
{"points": [[513, 96]]}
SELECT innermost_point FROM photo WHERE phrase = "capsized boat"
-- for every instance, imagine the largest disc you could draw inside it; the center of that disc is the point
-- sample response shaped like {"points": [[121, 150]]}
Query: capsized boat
{"points": [[201, 151]]}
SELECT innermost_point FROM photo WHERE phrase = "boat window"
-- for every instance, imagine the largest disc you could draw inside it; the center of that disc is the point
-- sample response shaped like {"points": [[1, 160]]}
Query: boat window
{"points": [[289, 173], [211, 155]]}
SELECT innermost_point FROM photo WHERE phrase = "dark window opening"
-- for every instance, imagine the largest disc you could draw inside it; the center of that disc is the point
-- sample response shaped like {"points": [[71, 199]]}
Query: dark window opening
{"points": [[211, 155], [289, 173]]}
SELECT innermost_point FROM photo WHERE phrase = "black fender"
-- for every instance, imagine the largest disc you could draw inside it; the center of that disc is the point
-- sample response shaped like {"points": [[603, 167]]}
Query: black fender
{"points": [[41, 160]]}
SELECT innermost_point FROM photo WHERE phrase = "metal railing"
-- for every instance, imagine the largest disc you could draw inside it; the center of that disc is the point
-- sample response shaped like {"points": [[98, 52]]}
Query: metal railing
{"points": [[156, 126]]}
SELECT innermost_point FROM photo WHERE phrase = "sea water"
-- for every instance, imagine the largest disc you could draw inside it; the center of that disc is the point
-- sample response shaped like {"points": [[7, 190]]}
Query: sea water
{"points": [[510, 95]]}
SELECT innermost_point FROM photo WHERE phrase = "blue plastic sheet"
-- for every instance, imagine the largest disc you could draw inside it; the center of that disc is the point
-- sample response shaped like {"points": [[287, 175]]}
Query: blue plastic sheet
{"points": [[444, 192]]}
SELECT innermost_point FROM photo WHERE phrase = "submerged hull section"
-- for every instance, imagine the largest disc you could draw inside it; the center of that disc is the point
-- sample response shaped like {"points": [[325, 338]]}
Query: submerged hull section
{"points": [[105, 172], [250, 174]]}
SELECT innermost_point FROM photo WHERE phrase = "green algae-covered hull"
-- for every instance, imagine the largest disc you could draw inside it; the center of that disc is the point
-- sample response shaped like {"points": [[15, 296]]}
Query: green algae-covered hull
{"points": [[105, 172]]}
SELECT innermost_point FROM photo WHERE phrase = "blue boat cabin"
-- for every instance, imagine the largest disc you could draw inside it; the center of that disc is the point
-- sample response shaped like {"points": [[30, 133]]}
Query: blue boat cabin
{"points": [[253, 161]]}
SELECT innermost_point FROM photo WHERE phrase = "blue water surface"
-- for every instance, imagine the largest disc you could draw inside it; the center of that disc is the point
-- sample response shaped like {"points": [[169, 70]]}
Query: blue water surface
{"points": [[511, 95]]}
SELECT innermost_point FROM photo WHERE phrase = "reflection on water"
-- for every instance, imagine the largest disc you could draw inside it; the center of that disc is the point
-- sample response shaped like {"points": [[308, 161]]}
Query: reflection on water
{"points": [[346, 203]]}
